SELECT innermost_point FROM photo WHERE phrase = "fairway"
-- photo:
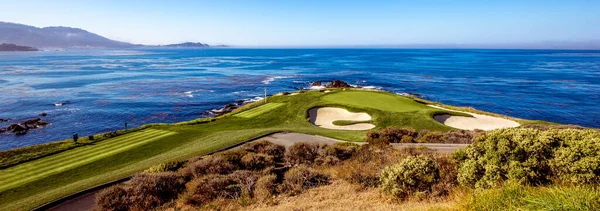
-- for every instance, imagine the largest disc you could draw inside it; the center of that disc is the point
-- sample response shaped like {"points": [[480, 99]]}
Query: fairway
{"points": [[259, 110], [34, 170], [375, 100]]}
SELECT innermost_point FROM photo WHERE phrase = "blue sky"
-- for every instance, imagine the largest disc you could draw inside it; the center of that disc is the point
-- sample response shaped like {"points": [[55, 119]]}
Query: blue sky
{"points": [[317, 23]]}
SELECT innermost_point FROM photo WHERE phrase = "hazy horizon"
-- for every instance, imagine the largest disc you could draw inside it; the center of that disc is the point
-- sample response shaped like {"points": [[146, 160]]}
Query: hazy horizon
{"points": [[404, 24]]}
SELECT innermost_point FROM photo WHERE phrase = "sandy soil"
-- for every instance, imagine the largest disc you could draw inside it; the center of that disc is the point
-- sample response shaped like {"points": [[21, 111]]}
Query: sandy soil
{"points": [[324, 117], [478, 121]]}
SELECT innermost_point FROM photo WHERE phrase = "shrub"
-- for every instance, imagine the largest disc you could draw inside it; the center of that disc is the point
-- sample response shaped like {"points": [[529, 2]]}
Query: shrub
{"points": [[233, 156], [302, 177], [152, 190], [530, 156], [447, 180], [209, 187], [461, 136], [266, 147], [170, 166], [341, 150], [303, 153], [406, 139], [430, 138], [366, 164], [254, 161], [114, 198], [327, 160], [577, 161], [245, 182], [415, 176], [266, 187], [211, 165], [388, 135]]}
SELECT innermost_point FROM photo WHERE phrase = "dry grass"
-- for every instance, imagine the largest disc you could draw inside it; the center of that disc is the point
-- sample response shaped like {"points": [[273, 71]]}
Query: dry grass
{"points": [[341, 195]]}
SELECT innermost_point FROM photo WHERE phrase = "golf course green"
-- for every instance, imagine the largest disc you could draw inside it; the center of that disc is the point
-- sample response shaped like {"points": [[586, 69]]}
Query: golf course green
{"points": [[32, 183]]}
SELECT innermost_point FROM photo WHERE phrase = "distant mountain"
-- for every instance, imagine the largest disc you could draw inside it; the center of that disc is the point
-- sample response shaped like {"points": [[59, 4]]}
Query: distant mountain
{"points": [[55, 37], [13, 47], [188, 45]]}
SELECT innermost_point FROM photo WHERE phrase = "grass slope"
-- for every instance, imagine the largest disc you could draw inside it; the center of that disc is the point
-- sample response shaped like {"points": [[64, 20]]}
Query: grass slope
{"points": [[259, 110], [32, 183]]}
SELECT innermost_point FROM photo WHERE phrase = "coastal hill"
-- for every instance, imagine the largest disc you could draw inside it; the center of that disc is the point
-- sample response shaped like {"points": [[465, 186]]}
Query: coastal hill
{"points": [[188, 45], [55, 37], [67, 37], [13, 47]]}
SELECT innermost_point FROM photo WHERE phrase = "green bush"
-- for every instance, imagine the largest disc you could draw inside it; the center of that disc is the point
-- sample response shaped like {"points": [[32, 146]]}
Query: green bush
{"points": [[530, 156], [414, 176], [163, 167], [577, 161]]}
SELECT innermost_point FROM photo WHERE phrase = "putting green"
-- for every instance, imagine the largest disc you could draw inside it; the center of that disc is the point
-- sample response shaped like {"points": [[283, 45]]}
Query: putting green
{"points": [[375, 100], [34, 170], [259, 110]]}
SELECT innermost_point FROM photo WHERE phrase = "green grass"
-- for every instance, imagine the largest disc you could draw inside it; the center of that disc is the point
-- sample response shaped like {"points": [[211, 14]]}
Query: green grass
{"points": [[259, 110], [376, 100], [348, 122], [518, 197], [38, 181]]}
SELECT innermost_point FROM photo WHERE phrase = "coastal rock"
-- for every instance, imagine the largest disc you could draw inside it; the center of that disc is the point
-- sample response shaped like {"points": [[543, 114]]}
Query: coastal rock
{"points": [[3, 120], [22, 127], [227, 108], [338, 84], [411, 94], [43, 114], [316, 83]]}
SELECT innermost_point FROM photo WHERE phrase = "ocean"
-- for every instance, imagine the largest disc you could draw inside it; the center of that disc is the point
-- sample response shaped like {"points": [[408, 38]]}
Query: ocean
{"points": [[95, 91]]}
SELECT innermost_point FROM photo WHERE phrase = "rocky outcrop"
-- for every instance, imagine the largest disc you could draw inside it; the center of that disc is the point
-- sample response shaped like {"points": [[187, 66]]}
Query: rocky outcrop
{"points": [[22, 127], [316, 83], [43, 114], [227, 108], [3, 120], [338, 84]]}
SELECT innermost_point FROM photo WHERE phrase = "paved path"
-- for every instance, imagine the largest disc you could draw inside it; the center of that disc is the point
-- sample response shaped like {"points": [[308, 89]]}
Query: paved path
{"points": [[289, 139]]}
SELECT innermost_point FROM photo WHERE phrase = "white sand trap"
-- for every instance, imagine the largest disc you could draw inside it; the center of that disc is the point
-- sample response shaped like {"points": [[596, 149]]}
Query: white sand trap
{"points": [[324, 117], [478, 121]]}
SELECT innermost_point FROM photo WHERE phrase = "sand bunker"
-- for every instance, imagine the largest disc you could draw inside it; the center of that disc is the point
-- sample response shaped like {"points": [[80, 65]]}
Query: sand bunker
{"points": [[324, 117], [478, 121]]}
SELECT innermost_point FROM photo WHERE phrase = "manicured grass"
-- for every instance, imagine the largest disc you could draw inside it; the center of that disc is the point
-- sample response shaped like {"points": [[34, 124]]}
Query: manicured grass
{"points": [[32, 183], [259, 110], [348, 122], [376, 100], [35, 170]]}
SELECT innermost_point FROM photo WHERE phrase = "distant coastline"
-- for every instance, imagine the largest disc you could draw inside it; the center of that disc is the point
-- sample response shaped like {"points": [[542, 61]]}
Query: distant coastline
{"points": [[12, 47]]}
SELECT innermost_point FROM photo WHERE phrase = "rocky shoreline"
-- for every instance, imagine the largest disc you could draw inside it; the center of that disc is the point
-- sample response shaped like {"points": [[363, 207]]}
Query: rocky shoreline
{"points": [[23, 127]]}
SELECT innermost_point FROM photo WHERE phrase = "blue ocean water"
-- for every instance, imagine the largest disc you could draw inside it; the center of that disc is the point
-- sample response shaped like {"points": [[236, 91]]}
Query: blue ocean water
{"points": [[105, 88]]}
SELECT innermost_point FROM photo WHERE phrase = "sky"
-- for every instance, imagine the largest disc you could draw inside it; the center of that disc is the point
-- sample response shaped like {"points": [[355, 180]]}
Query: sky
{"points": [[318, 22]]}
